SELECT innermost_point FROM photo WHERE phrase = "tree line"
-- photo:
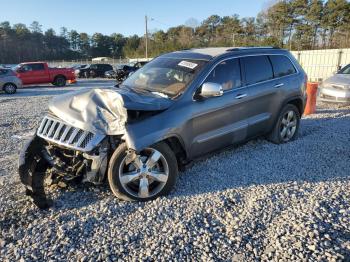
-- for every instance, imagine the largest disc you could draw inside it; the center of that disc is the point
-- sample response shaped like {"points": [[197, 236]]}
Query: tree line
{"points": [[291, 24]]}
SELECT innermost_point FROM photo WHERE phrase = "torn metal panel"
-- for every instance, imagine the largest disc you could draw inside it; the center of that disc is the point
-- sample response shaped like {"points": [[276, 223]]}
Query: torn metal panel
{"points": [[103, 111]]}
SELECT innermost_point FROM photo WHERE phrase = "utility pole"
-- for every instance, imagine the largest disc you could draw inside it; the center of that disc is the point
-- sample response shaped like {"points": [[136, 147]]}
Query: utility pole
{"points": [[146, 37]]}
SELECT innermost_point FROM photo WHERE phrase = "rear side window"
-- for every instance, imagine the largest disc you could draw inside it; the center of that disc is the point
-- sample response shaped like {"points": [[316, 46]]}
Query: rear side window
{"points": [[227, 74], [257, 69], [281, 65], [37, 67]]}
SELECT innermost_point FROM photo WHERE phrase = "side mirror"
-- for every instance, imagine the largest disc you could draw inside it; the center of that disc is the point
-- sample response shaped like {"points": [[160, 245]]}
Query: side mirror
{"points": [[20, 70], [210, 89]]}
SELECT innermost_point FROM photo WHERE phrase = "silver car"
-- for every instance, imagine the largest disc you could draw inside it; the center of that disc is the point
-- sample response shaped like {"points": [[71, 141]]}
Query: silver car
{"points": [[9, 82], [337, 87]]}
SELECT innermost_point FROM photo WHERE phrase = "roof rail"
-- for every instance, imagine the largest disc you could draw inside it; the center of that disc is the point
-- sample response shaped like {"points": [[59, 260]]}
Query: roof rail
{"points": [[252, 47]]}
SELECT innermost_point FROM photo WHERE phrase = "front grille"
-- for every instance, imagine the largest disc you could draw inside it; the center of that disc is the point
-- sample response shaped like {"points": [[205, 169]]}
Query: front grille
{"points": [[61, 133]]}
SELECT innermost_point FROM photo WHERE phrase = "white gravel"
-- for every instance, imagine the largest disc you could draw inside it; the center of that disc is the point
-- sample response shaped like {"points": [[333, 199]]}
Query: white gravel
{"points": [[255, 202]]}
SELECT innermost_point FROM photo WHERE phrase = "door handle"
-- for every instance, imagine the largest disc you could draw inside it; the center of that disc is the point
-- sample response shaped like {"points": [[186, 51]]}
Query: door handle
{"points": [[240, 96], [279, 85]]}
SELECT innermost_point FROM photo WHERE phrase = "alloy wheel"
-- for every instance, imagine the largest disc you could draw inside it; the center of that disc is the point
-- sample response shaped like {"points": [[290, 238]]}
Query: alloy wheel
{"points": [[10, 88], [288, 125], [146, 175]]}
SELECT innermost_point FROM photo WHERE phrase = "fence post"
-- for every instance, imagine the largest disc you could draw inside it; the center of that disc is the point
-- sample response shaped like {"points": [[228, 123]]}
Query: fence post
{"points": [[340, 53]]}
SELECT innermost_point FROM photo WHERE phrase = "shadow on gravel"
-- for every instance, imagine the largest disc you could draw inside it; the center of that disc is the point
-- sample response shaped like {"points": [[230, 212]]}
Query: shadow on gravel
{"points": [[320, 153]]}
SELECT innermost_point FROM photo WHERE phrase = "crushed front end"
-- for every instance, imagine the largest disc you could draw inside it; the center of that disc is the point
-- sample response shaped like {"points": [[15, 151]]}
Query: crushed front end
{"points": [[60, 152], [75, 140]]}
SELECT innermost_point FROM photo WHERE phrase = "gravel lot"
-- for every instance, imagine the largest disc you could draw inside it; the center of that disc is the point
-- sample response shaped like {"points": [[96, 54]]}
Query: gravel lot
{"points": [[254, 202]]}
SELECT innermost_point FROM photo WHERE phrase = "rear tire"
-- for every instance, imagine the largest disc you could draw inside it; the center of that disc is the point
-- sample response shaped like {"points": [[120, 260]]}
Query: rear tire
{"points": [[10, 88], [144, 180], [60, 81], [287, 126]]}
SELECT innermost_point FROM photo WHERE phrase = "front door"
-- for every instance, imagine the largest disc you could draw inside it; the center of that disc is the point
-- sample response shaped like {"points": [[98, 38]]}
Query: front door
{"points": [[220, 120]]}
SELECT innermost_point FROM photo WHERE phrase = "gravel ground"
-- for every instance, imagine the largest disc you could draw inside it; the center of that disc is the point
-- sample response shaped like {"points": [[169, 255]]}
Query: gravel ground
{"points": [[254, 202]]}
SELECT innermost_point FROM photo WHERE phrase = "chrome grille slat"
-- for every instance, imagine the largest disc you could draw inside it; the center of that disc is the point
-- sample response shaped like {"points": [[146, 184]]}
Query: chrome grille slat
{"points": [[55, 136], [63, 137], [72, 136], [47, 125], [52, 129], [81, 139], [42, 125], [56, 131]]}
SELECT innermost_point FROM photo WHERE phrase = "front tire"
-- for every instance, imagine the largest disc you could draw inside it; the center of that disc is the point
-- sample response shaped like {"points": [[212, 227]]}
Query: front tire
{"points": [[145, 176], [287, 125], [10, 88]]}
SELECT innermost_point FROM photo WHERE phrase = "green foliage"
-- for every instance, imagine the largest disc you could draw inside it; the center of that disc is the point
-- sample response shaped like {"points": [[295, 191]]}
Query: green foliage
{"points": [[293, 24]]}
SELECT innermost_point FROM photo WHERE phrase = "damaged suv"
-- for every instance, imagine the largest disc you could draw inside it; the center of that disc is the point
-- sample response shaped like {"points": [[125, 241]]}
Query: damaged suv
{"points": [[176, 108]]}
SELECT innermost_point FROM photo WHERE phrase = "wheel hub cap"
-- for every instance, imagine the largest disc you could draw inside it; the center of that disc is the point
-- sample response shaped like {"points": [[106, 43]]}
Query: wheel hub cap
{"points": [[288, 125], [146, 175]]}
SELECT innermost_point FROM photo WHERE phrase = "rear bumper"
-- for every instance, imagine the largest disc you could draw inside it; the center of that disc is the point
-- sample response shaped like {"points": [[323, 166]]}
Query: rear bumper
{"points": [[334, 95]]}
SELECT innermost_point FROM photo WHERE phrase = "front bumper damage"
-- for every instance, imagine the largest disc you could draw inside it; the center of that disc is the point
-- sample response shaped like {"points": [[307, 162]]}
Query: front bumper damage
{"points": [[41, 161]]}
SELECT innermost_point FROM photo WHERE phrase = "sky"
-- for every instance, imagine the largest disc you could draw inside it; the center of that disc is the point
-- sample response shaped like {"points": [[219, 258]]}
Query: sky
{"points": [[121, 16]]}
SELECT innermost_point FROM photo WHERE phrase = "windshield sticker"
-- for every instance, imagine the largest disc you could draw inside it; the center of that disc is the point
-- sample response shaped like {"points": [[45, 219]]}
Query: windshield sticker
{"points": [[188, 64]]}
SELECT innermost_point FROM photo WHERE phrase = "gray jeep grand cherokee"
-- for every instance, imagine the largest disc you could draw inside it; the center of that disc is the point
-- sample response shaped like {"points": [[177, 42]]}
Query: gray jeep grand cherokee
{"points": [[176, 108]]}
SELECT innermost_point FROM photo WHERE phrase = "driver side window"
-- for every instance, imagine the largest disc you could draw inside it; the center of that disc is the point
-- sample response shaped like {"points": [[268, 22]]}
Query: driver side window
{"points": [[227, 74]]}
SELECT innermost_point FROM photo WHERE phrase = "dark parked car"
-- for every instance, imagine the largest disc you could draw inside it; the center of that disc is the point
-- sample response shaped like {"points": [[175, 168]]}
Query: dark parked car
{"points": [[111, 74], [176, 108], [77, 67], [93, 70], [123, 71]]}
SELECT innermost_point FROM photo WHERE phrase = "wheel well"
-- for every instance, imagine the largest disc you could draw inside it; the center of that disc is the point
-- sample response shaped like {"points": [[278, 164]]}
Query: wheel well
{"points": [[299, 104], [177, 147], [59, 76]]}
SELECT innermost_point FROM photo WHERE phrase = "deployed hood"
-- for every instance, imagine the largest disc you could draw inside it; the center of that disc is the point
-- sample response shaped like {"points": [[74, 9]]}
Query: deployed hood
{"points": [[103, 110], [338, 79]]}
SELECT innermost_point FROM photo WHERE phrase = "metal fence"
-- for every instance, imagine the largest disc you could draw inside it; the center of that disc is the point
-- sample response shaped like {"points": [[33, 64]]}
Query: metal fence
{"points": [[69, 63], [320, 64]]}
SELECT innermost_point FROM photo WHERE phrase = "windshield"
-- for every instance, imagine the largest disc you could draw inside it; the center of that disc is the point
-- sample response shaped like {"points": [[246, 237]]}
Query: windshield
{"points": [[165, 76], [345, 70]]}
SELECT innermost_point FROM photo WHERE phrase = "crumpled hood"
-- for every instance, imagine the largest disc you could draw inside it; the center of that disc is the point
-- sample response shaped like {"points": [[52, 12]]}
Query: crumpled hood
{"points": [[338, 79], [103, 110]]}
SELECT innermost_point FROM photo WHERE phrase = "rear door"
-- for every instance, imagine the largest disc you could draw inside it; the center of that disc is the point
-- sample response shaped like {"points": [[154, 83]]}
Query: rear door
{"points": [[267, 92], [220, 120], [263, 99], [40, 73]]}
